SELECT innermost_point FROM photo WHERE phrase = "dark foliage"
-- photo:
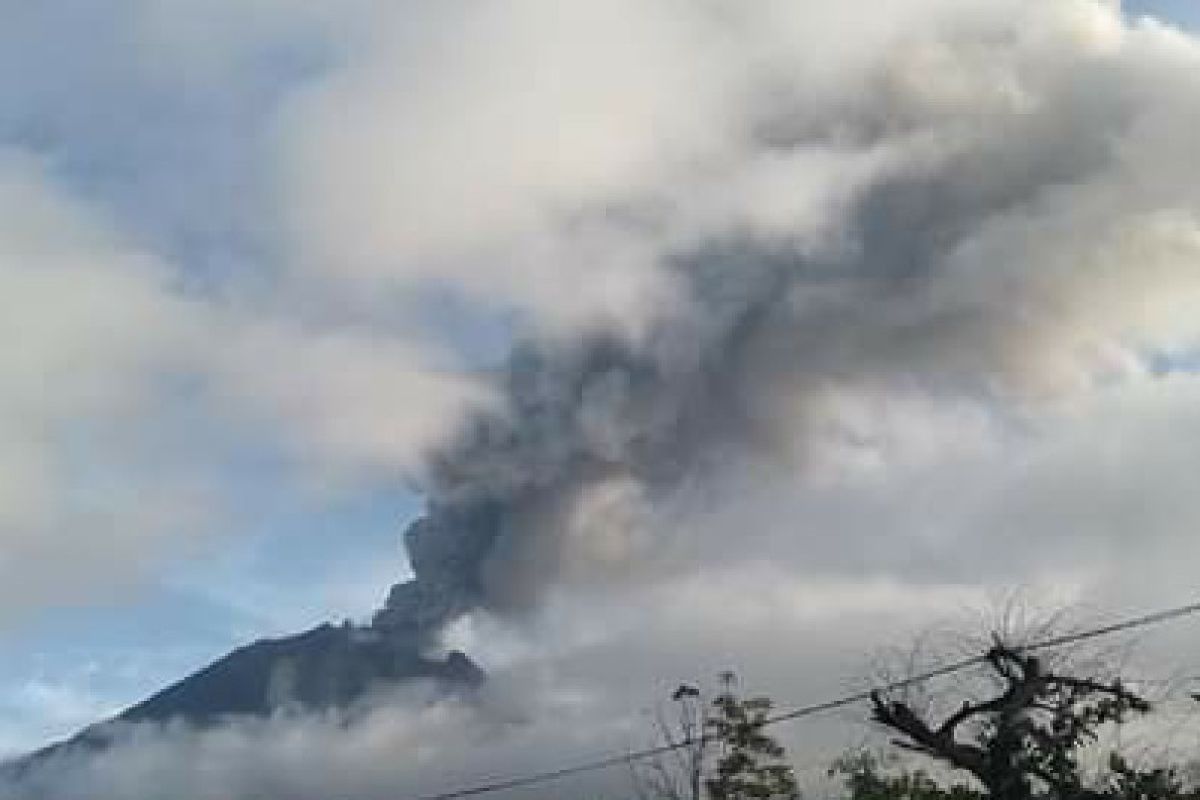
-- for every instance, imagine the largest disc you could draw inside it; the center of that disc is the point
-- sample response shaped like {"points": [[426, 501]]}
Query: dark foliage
{"points": [[1025, 742]]}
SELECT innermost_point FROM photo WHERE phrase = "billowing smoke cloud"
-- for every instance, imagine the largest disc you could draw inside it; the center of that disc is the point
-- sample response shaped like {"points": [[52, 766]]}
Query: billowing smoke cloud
{"points": [[990, 211], [761, 257]]}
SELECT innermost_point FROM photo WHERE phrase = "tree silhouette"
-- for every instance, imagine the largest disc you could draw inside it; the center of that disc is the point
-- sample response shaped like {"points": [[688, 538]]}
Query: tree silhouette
{"points": [[1024, 741], [717, 749], [750, 764]]}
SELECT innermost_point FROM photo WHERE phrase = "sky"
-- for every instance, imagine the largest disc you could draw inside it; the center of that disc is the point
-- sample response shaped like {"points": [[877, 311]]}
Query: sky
{"points": [[1176, 12], [861, 321]]}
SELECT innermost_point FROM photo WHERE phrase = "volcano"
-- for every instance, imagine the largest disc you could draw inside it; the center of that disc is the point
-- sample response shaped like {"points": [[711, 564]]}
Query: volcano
{"points": [[326, 668]]}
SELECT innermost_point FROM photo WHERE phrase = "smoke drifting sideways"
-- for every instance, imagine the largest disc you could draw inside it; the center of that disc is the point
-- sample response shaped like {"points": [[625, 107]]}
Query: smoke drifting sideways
{"points": [[1001, 211], [997, 206]]}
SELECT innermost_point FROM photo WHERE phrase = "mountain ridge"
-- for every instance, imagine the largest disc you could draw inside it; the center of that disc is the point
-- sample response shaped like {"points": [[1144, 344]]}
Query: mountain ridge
{"points": [[324, 668]]}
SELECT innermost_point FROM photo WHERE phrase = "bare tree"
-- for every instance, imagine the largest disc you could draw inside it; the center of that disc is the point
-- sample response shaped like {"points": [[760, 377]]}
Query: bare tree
{"points": [[1023, 740], [677, 773]]}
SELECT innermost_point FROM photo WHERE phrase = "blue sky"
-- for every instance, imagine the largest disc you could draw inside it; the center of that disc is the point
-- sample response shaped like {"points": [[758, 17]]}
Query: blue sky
{"points": [[288, 563], [1180, 12], [176, 168], [160, 127], [173, 142]]}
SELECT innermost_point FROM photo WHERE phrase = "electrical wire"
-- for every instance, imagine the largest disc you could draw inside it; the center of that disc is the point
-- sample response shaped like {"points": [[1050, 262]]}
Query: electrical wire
{"points": [[631, 757]]}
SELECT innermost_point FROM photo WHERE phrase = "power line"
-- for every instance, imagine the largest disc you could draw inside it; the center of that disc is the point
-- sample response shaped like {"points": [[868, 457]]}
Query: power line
{"points": [[634, 756], [957, 666]]}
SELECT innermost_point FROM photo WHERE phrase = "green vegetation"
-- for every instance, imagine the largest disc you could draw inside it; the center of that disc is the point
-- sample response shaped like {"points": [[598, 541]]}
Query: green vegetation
{"points": [[719, 750], [1035, 734], [867, 776], [749, 763]]}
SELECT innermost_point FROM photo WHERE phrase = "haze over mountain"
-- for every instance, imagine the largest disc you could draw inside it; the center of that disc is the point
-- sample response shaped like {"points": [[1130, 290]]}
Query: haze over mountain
{"points": [[327, 669], [706, 334]]}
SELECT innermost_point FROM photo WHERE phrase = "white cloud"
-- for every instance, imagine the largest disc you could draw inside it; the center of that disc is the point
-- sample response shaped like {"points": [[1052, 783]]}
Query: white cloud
{"points": [[91, 332], [998, 202], [342, 400], [106, 366]]}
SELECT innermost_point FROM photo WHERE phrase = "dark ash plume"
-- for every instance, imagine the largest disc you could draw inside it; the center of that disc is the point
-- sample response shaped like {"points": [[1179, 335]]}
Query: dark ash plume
{"points": [[977, 253]]}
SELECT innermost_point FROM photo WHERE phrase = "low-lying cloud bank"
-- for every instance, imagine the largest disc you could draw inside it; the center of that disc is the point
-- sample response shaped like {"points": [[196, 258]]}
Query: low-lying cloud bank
{"points": [[828, 319], [542, 707], [594, 693]]}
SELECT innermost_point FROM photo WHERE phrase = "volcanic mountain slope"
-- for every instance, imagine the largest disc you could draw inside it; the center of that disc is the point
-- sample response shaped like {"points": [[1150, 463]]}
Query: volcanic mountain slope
{"points": [[327, 667]]}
